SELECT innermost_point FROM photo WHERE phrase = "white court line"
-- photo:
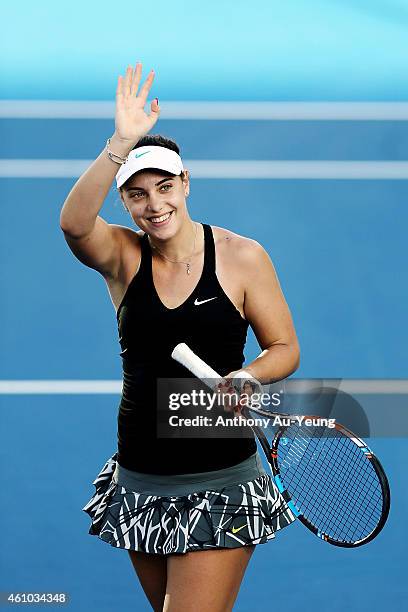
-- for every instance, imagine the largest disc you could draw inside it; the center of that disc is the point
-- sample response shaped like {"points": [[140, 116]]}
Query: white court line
{"points": [[199, 110], [114, 387], [223, 169], [64, 387]]}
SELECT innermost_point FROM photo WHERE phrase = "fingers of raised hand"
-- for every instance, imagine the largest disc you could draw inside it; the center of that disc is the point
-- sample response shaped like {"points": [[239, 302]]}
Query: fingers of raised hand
{"points": [[128, 81], [136, 79], [119, 88], [128, 85], [123, 87], [144, 90]]}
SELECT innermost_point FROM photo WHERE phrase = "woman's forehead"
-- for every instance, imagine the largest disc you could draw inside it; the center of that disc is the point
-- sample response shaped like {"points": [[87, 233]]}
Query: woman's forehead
{"points": [[146, 177]]}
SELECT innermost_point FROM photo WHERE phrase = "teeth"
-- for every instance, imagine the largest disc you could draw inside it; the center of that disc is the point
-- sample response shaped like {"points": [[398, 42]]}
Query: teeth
{"points": [[160, 219]]}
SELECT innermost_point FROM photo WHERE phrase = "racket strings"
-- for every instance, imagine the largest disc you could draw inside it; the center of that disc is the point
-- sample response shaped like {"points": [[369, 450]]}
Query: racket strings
{"points": [[331, 481], [340, 497]]}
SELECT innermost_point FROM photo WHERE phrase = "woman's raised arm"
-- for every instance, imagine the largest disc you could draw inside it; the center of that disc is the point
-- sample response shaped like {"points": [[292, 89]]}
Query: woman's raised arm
{"points": [[91, 239]]}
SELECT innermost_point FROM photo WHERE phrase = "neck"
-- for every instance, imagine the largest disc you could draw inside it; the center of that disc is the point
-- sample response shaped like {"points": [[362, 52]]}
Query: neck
{"points": [[180, 246]]}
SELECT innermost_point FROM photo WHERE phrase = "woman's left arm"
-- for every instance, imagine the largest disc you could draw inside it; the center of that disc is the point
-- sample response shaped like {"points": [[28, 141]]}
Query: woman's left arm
{"points": [[269, 316]]}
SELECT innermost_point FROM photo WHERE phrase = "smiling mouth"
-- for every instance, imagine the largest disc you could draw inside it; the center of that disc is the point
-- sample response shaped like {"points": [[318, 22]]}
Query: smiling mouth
{"points": [[161, 219]]}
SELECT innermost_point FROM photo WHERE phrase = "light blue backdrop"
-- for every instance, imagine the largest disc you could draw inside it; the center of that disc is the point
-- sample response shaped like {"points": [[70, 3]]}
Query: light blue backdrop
{"points": [[213, 50]]}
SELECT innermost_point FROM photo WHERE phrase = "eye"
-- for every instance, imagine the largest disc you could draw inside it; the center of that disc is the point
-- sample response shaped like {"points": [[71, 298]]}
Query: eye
{"points": [[137, 194], [167, 185]]}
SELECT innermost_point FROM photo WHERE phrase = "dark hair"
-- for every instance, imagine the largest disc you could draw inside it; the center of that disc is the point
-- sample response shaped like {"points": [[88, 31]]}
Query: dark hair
{"points": [[157, 140]]}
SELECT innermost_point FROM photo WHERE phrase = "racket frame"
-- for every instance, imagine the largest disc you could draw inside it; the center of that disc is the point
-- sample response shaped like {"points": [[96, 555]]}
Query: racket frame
{"points": [[271, 453]]}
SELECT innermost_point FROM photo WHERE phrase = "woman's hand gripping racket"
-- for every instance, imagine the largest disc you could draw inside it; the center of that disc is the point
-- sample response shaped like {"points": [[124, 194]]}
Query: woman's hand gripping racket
{"points": [[330, 479]]}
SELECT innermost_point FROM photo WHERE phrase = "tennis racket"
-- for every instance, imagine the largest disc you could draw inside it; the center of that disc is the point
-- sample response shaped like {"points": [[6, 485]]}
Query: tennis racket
{"points": [[330, 479]]}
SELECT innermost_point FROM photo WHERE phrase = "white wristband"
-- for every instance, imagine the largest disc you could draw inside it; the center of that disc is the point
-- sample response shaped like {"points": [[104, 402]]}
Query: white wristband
{"points": [[242, 374]]}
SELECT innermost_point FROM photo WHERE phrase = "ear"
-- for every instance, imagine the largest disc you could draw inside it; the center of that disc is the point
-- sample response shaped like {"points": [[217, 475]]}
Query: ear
{"points": [[186, 182]]}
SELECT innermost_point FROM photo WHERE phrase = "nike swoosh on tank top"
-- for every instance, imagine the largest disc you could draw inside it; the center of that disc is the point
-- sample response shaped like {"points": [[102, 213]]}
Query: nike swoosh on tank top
{"points": [[148, 331]]}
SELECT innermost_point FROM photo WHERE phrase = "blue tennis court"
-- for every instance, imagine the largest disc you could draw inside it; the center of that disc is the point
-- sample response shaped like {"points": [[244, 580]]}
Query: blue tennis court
{"points": [[328, 204]]}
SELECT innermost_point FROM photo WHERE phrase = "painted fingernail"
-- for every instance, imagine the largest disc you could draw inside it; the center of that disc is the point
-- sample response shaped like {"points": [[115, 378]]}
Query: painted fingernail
{"points": [[157, 101]]}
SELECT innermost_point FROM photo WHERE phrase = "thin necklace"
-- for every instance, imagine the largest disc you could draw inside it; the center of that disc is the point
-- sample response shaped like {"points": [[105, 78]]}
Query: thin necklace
{"points": [[186, 263]]}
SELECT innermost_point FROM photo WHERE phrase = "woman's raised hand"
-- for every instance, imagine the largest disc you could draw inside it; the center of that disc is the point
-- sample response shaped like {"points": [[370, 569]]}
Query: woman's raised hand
{"points": [[131, 121]]}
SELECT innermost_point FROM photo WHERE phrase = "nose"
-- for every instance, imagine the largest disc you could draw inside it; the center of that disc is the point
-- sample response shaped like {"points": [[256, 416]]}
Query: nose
{"points": [[155, 204]]}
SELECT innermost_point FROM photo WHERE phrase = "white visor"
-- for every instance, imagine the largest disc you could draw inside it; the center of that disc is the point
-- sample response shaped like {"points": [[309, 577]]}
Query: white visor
{"points": [[149, 157]]}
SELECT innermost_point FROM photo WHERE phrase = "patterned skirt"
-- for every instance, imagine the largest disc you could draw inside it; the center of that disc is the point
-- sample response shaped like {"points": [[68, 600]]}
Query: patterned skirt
{"points": [[222, 516]]}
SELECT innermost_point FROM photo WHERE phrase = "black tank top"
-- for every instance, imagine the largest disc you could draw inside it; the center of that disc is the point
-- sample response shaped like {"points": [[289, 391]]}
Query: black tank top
{"points": [[148, 331]]}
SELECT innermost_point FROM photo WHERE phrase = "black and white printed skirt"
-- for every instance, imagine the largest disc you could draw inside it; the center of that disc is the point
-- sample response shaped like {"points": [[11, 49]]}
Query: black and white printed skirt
{"points": [[228, 508]]}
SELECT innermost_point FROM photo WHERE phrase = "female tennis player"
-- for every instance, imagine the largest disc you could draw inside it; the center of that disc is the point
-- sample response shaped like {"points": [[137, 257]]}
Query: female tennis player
{"points": [[189, 511]]}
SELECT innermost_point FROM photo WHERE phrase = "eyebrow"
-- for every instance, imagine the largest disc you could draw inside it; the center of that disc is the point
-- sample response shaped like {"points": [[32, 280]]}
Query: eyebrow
{"points": [[169, 178]]}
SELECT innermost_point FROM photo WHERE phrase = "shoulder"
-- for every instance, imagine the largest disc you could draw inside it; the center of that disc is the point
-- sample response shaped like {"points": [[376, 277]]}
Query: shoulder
{"points": [[242, 250]]}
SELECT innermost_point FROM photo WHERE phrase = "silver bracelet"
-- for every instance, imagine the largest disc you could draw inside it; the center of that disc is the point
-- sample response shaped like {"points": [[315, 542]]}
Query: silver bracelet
{"points": [[111, 154]]}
